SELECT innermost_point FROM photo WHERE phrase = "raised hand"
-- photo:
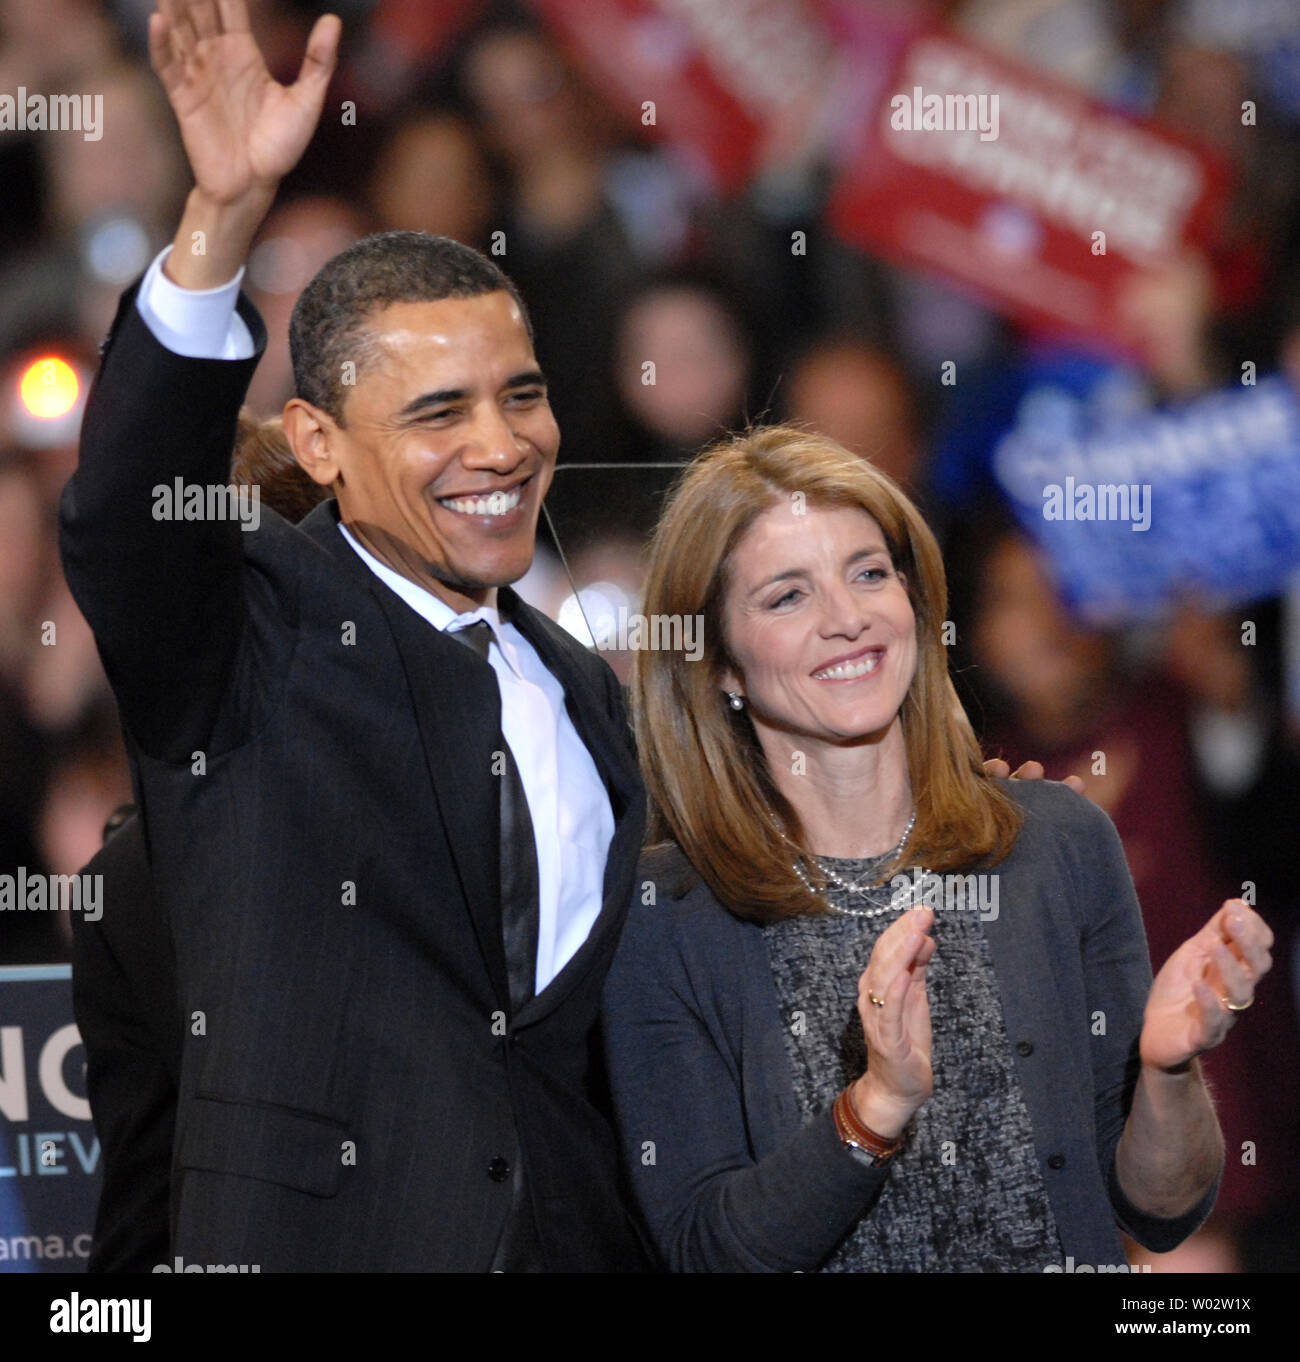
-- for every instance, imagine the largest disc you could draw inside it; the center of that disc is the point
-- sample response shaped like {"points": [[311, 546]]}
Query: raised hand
{"points": [[1204, 984], [897, 1027], [243, 132]]}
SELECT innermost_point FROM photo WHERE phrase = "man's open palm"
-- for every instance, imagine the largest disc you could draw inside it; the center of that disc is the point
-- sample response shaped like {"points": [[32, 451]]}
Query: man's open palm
{"points": [[243, 131]]}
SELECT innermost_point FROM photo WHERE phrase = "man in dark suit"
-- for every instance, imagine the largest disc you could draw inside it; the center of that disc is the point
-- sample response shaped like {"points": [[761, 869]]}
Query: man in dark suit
{"points": [[395, 862]]}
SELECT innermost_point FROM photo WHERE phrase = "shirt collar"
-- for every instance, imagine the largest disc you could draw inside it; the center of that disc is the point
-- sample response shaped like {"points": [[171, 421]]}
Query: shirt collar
{"points": [[431, 607]]}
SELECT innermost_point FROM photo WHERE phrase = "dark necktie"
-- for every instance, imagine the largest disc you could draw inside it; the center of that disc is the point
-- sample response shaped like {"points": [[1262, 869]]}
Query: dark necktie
{"points": [[518, 856]]}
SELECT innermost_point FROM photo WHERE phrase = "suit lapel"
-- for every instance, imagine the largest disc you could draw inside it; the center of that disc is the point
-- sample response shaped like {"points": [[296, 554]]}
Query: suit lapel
{"points": [[458, 713]]}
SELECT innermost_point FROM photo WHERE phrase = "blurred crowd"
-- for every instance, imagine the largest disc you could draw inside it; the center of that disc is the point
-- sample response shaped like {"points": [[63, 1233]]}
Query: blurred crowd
{"points": [[491, 134]]}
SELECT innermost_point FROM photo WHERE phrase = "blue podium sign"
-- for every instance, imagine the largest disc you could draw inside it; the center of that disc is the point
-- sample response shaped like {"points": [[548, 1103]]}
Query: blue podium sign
{"points": [[49, 1154]]}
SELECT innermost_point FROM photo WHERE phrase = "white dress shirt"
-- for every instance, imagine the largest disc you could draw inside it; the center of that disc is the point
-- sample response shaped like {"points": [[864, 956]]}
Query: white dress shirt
{"points": [[573, 822]]}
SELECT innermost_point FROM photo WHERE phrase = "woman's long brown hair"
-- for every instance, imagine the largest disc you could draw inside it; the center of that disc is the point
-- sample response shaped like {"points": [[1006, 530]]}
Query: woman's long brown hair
{"points": [[702, 764]]}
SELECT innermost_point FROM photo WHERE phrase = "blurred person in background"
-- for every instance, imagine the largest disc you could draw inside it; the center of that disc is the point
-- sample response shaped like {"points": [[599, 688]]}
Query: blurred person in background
{"points": [[856, 395], [682, 363], [264, 459], [107, 206], [1046, 682], [43, 42], [551, 137], [1247, 760], [87, 780], [1204, 94], [431, 175], [62, 767], [65, 680], [85, 215], [297, 239], [25, 567], [681, 367], [546, 126], [76, 779], [1041, 681]]}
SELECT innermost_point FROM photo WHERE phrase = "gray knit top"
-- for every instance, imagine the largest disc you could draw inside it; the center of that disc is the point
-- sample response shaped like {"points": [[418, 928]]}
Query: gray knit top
{"points": [[965, 1193]]}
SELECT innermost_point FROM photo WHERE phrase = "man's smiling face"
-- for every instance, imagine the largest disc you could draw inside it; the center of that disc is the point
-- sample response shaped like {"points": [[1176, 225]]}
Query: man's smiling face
{"points": [[449, 445]]}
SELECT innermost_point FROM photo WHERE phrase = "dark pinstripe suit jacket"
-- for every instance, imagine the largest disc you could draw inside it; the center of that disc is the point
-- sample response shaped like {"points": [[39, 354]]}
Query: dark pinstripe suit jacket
{"points": [[313, 767]]}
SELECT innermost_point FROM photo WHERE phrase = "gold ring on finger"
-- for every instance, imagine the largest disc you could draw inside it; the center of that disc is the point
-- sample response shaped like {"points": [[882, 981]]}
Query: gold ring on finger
{"points": [[880, 1002]]}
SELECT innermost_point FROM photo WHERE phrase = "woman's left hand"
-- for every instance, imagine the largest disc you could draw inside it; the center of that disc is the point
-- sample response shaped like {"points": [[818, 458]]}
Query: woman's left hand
{"points": [[1203, 985]]}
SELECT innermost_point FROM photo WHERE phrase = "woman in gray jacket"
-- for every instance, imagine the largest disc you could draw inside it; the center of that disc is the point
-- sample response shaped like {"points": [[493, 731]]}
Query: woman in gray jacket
{"points": [[875, 1010]]}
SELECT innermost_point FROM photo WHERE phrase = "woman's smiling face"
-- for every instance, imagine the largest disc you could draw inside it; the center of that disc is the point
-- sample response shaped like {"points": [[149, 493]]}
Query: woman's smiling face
{"points": [[819, 625]]}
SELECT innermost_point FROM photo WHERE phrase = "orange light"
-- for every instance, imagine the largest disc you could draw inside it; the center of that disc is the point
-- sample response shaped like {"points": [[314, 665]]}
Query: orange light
{"points": [[49, 387]]}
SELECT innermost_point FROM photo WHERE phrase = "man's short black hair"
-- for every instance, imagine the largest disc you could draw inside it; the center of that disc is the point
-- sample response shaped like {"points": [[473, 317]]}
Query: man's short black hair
{"points": [[328, 326]]}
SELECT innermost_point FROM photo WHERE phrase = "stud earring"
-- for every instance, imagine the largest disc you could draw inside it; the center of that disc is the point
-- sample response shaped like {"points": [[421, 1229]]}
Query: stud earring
{"points": [[737, 700]]}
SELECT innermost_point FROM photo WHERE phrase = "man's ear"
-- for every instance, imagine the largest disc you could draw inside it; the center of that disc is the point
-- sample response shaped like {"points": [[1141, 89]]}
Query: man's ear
{"points": [[313, 437]]}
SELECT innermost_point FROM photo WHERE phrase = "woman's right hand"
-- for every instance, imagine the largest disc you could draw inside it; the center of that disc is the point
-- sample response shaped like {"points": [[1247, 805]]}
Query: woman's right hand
{"points": [[898, 1077]]}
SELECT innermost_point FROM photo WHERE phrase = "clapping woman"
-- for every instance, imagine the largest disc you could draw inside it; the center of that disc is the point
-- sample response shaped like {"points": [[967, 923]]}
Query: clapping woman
{"points": [[819, 1061]]}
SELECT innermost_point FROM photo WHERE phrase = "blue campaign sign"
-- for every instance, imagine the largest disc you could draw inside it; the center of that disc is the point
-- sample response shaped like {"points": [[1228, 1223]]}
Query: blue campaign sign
{"points": [[1137, 511], [49, 1155]]}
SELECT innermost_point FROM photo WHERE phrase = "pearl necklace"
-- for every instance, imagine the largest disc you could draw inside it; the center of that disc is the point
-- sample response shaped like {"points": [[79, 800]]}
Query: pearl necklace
{"points": [[857, 889]]}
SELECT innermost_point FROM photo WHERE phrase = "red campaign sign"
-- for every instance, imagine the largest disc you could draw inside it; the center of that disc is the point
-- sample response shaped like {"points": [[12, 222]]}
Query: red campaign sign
{"points": [[996, 177], [727, 81], [419, 28]]}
